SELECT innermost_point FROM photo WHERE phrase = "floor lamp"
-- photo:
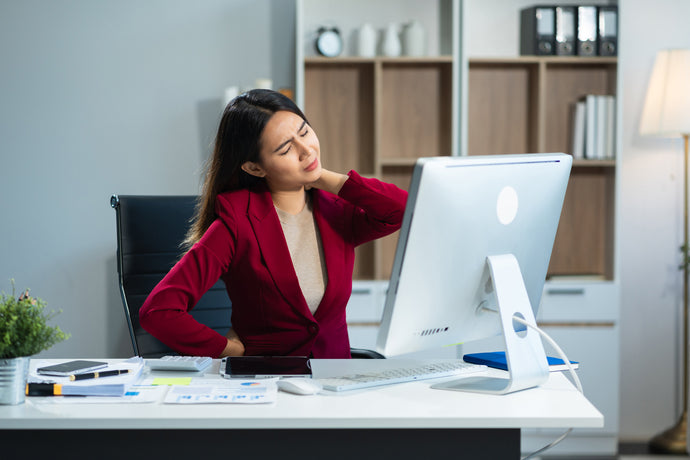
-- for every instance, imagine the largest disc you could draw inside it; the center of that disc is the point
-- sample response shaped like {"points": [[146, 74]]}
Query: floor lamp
{"points": [[667, 114]]}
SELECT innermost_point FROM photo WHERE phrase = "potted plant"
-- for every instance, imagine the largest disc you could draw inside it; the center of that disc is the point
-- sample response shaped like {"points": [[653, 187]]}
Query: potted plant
{"points": [[24, 331]]}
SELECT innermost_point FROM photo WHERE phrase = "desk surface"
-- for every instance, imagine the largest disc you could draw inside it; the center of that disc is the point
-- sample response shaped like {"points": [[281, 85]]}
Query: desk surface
{"points": [[555, 404]]}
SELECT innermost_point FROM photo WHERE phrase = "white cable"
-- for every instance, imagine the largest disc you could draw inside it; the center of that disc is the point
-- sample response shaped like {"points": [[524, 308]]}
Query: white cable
{"points": [[548, 446], [558, 349], [568, 364], [573, 374]]}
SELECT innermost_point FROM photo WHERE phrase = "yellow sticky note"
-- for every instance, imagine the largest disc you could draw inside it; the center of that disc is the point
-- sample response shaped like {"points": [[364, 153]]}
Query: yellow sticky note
{"points": [[172, 381]]}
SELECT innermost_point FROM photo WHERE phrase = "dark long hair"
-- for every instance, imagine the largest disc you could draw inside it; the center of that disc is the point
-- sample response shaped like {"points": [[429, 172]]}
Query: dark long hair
{"points": [[238, 140]]}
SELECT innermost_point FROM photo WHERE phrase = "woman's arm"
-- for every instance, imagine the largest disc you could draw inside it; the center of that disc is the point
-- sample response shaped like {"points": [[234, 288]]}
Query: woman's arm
{"points": [[378, 207], [165, 313]]}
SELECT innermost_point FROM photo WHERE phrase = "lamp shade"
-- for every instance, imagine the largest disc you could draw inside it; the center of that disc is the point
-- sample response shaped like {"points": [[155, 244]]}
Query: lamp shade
{"points": [[667, 106]]}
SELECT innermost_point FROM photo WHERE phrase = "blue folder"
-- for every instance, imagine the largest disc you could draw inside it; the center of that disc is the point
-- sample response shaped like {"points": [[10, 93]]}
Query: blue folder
{"points": [[497, 359]]}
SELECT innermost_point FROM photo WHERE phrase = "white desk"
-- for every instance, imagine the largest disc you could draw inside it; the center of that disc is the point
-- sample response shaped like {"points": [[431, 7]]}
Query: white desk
{"points": [[405, 418]]}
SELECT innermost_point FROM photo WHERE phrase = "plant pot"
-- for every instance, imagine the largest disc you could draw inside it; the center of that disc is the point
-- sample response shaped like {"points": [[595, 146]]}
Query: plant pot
{"points": [[13, 376]]}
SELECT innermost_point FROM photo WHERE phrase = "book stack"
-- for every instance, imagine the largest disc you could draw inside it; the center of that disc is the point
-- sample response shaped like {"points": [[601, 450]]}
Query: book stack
{"points": [[594, 121]]}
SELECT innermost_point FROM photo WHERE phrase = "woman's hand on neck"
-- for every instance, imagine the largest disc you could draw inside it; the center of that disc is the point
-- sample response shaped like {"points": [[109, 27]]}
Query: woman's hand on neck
{"points": [[293, 201], [329, 181]]}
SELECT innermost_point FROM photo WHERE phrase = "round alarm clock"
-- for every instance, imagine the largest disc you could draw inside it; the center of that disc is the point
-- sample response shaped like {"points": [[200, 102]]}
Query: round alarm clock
{"points": [[328, 42]]}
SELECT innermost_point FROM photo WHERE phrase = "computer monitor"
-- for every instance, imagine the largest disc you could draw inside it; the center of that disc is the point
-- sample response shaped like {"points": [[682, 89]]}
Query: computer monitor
{"points": [[473, 251]]}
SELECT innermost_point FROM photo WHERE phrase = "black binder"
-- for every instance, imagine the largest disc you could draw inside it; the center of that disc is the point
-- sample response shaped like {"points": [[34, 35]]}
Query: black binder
{"points": [[607, 20], [537, 30], [565, 30], [587, 30]]}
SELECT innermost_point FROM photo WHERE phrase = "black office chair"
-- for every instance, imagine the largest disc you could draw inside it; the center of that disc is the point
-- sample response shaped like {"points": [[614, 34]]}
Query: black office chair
{"points": [[363, 353], [149, 232]]}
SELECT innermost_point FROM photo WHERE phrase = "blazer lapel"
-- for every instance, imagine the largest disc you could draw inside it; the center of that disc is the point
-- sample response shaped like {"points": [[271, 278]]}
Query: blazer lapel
{"points": [[274, 249]]}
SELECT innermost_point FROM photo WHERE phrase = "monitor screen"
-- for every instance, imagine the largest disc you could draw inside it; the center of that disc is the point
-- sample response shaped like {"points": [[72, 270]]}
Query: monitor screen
{"points": [[462, 213]]}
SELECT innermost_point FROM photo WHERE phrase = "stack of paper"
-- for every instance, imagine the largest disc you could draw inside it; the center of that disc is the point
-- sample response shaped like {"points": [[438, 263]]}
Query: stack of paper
{"points": [[594, 133]]}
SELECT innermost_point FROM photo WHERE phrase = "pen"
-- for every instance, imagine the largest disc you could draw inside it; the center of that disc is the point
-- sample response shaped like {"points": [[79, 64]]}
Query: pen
{"points": [[97, 375], [43, 389]]}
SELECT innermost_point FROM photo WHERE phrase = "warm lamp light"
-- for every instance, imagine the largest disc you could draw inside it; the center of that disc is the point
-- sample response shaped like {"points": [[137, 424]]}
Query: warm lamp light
{"points": [[667, 106], [667, 114]]}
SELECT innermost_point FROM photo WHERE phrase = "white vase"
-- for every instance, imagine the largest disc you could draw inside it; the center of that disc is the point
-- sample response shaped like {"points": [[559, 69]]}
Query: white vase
{"points": [[366, 41], [391, 42], [414, 39], [13, 376]]}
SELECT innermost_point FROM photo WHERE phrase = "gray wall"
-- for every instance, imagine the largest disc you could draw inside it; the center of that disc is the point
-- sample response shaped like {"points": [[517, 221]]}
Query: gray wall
{"points": [[112, 96]]}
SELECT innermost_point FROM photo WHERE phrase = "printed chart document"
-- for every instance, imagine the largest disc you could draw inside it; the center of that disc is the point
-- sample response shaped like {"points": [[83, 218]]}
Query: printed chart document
{"points": [[230, 392]]}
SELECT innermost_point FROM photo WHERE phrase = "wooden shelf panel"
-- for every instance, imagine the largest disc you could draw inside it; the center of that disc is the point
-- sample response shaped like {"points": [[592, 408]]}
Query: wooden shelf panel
{"points": [[391, 162], [584, 240], [416, 109], [400, 176], [345, 89], [365, 265], [387, 246], [502, 107]]}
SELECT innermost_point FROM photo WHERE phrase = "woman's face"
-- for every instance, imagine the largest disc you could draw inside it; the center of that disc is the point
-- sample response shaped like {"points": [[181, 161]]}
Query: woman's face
{"points": [[290, 153]]}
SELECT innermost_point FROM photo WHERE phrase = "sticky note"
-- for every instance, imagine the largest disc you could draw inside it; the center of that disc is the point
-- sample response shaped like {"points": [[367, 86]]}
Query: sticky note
{"points": [[172, 381]]}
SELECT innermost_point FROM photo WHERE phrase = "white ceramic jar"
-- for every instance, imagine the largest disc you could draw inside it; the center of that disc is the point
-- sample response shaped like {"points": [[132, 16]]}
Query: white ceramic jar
{"points": [[414, 39], [366, 41], [391, 46]]}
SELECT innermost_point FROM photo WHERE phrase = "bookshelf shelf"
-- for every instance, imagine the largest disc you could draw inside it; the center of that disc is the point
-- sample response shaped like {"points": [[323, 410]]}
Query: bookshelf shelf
{"points": [[378, 59]]}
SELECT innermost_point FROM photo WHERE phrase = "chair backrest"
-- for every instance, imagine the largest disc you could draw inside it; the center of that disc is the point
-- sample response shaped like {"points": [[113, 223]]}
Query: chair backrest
{"points": [[150, 230]]}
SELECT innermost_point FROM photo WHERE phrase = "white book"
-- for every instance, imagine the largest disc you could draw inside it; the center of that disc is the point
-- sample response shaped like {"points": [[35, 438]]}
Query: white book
{"points": [[578, 147], [610, 149], [590, 127], [602, 109]]}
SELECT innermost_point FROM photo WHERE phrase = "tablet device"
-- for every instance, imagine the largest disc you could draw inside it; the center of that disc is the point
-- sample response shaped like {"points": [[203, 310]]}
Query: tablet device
{"points": [[71, 367], [255, 367]]}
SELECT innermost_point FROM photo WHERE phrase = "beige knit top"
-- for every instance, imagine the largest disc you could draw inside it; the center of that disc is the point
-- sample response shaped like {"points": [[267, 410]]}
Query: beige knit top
{"points": [[306, 251]]}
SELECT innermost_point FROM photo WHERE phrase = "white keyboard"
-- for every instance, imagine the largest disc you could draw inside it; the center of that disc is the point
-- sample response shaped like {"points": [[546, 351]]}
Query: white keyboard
{"points": [[179, 363], [400, 375]]}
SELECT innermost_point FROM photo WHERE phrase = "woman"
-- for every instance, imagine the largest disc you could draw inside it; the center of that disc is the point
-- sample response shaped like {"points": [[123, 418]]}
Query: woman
{"points": [[280, 231]]}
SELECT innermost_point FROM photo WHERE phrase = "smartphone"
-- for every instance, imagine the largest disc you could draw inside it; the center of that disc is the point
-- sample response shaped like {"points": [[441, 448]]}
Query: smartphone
{"points": [[71, 367], [255, 367]]}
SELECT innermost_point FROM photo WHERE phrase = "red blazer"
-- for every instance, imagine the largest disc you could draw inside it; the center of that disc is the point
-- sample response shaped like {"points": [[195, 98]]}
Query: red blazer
{"points": [[245, 247]]}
